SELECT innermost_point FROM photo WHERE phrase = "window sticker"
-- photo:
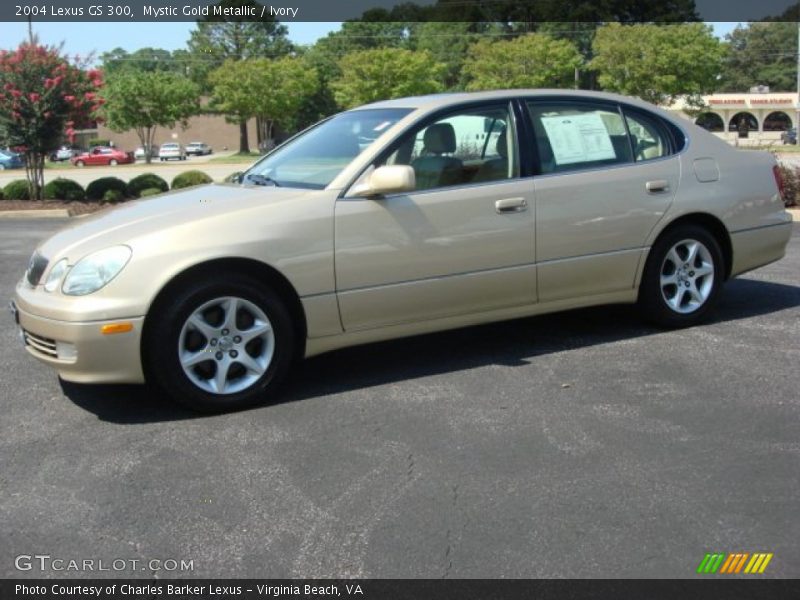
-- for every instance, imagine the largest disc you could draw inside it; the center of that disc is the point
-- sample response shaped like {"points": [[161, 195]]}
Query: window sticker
{"points": [[578, 138]]}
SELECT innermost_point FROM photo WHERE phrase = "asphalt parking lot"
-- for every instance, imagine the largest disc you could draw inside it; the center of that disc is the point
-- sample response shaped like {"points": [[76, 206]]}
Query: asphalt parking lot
{"points": [[584, 444]]}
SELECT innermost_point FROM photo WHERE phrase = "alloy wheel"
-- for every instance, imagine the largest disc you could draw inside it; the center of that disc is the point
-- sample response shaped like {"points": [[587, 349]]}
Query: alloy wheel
{"points": [[687, 276], [226, 345]]}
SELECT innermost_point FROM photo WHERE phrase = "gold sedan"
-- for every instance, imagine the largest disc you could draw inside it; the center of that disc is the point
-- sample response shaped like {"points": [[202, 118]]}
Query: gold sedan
{"points": [[398, 218]]}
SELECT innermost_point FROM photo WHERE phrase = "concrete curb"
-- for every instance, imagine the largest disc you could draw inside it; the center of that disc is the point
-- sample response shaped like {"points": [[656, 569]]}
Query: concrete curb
{"points": [[795, 212], [45, 213]]}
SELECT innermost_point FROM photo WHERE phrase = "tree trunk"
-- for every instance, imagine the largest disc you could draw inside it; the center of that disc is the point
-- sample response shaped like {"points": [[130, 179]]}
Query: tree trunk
{"points": [[244, 144], [34, 172]]}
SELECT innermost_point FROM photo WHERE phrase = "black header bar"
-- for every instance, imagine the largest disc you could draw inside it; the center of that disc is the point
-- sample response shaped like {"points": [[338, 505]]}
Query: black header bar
{"points": [[150, 11]]}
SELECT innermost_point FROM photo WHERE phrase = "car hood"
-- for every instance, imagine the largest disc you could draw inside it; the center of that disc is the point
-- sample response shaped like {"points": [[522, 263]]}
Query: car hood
{"points": [[146, 216]]}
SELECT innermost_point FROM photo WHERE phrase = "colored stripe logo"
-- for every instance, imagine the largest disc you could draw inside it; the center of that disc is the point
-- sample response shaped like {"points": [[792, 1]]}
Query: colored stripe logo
{"points": [[733, 563]]}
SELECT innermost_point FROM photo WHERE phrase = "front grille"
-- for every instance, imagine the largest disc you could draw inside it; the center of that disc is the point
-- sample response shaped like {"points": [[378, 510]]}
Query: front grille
{"points": [[40, 344], [36, 268]]}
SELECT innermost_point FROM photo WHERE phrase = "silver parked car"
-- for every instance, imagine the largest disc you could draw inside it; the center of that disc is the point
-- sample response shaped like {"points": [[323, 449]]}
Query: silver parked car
{"points": [[141, 152], [172, 150], [198, 149], [399, 218]]}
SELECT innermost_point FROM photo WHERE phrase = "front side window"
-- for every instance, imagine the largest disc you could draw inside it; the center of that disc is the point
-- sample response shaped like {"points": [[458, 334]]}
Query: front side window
{"points": [[314, 158], [575, 136], [471, 146]]}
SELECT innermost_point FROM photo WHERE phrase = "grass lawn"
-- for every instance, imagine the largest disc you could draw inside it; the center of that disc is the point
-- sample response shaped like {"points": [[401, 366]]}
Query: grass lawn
{"points": [[238, 158], [779, 148]]}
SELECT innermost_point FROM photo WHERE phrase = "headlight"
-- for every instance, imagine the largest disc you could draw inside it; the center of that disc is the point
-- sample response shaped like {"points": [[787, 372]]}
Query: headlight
{"points": [[94, 271], [56, 273]]}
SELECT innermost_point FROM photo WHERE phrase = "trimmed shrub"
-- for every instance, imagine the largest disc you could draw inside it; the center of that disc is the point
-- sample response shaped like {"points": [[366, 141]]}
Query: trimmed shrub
{"points": [[113, 196], [151, 192], [99, 142], [146, 181], [17, 190], [98, 188], [64, 189], [1, 193], [791, 183], [190, 178]]}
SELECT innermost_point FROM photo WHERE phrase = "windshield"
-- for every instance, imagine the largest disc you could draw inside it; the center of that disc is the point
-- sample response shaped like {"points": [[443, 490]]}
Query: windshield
{"points": [[316, 157]]}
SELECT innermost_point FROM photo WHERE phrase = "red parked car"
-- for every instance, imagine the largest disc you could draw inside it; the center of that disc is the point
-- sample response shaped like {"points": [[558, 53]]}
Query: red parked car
{"points": [[102, 155]]}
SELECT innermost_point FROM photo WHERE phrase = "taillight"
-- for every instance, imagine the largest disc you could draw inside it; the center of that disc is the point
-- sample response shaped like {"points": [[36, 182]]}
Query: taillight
{"points": [[776, 172]]}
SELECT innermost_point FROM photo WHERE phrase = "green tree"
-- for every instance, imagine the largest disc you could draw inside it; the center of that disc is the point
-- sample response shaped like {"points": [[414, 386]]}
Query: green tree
{"points": [[146, 100], [270, 90], [42, 97], [657, 62], [219, 39], [533, 60], [144, 59], [383, 73], [447, 43], [760, 54]]}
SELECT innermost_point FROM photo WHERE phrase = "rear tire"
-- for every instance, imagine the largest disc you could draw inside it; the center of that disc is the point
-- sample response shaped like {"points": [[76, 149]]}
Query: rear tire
{"points": [[79, 163], [219, 346], [113, 162], [682, 278]]}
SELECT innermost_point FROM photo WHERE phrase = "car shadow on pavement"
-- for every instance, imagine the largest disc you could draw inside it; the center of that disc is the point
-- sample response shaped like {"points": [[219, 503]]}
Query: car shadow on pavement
{"points": [[509, 343]]}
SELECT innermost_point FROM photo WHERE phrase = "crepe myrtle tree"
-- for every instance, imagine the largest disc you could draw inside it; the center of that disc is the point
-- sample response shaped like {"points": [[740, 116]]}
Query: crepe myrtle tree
{"points": [[43, 97]]}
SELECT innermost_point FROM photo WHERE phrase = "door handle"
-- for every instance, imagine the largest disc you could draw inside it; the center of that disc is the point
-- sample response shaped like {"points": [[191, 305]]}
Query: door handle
{"points": [[657, 185], [510, 205]]}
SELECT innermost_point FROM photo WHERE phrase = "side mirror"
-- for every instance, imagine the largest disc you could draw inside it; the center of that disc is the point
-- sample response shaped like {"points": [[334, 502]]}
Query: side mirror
{"points": [[389, 179]]}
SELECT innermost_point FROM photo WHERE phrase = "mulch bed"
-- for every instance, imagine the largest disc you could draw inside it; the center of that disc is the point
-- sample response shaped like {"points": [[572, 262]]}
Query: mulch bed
{"points": [[74, 208]]}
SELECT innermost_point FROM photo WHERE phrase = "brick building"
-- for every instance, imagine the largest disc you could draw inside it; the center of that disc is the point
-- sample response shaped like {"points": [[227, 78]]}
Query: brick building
{"points": [[214, 130]]}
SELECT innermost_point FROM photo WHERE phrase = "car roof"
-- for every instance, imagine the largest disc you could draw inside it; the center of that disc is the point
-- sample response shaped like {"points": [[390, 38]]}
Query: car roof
{"points": [[434, 101]]}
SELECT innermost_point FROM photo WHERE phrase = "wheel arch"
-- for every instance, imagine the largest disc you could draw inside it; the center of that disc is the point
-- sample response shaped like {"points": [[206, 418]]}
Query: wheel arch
{"points": [[713, 225], [259, 271]]}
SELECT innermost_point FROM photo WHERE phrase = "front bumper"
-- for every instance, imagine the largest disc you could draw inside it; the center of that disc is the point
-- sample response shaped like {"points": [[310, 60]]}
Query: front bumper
{"points": [[80, 351]]}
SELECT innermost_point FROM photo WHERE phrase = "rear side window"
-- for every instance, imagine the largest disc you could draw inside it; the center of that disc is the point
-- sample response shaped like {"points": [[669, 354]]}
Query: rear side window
{"points": [[649, 137], [575, 136]]}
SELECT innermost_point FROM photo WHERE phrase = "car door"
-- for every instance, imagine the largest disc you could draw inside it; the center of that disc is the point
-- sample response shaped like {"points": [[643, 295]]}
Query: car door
{"points": [[605, 178], [461, 243], [95, 158]]}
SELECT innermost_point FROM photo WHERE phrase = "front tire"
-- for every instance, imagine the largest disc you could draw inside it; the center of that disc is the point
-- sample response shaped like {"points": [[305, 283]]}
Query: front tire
{"points": [[220, 346], [682, 278], [79, 164], [113, 162]]}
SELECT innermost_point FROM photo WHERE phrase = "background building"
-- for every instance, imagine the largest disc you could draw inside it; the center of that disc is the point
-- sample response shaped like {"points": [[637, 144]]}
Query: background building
{"points": [[755, 118], [214, 130]]}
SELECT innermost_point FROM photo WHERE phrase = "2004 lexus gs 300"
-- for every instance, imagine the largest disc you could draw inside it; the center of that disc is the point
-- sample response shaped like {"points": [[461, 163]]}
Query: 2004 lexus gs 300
{"points": [[398, 218]]}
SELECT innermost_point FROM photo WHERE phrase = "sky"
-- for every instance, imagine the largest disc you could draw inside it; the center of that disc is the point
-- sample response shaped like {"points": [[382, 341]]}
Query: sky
{"points": [[86, 38]]}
